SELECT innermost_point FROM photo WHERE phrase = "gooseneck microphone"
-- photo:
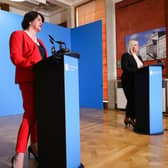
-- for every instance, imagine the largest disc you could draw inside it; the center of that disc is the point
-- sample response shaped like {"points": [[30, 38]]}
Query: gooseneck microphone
{"points": [[52, 39], [158, 60], [153, 57], [60, 42], [62, 46]]}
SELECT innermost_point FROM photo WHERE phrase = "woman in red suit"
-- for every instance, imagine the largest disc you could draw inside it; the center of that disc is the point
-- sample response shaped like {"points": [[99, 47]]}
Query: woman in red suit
{"points": [[25, 51]]}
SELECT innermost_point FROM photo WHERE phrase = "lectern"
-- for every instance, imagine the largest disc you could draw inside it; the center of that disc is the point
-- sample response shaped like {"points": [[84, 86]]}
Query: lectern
{"points": [[148, 100], [57, 106]]}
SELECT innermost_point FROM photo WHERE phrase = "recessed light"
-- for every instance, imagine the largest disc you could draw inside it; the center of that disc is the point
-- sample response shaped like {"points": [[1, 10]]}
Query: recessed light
{"points": [[17, 0]]}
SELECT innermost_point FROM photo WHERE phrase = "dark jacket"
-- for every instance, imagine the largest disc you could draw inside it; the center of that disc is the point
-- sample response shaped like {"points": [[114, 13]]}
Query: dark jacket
{"points": [[129, 67]]}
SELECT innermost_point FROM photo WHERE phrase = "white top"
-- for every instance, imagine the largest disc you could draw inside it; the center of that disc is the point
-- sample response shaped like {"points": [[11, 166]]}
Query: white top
{"points": [[34, 39], [138, 61]]}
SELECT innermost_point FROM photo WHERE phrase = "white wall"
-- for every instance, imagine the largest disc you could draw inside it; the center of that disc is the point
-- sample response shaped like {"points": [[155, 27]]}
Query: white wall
{"points": [[22, 12], [16, 11], [57, 17]]}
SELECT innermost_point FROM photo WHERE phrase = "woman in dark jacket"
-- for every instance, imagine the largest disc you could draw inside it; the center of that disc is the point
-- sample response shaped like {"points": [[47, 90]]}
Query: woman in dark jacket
{"points": [[130, 62]]}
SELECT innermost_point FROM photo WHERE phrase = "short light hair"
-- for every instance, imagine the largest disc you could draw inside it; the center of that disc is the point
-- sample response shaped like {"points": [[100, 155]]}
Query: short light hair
{"points": [[131, 44]]}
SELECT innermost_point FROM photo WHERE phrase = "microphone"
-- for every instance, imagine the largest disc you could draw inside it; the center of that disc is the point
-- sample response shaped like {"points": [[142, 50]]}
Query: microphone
{"points": [[53, 50], [62, 49], [51, 37], [155, 58], [51, 41], [60, 42], [150, 55], [158, 60]]}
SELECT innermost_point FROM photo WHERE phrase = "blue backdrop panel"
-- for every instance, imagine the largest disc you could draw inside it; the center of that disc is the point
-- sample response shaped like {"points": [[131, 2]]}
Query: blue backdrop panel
{"points": [[10, 96], [72, 111], [155, 100], [87, 40]]}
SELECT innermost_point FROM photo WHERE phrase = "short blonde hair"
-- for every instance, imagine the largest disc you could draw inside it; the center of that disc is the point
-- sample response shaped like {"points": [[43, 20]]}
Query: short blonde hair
{"points": [[131, 44]]}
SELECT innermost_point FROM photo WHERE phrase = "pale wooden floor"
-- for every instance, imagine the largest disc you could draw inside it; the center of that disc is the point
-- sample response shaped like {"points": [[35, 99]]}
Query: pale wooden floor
{"points": [[105, 142]]}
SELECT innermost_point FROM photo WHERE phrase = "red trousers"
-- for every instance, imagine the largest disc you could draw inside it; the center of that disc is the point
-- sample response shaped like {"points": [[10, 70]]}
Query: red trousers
{"points": [[29, 123]]}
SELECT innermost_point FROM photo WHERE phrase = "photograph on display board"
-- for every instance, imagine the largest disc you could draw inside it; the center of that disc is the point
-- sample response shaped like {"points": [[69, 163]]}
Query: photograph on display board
{"points": [[152, 43]]}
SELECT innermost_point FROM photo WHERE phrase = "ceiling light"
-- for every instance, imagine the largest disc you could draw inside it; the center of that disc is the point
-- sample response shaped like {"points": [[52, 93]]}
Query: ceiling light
{"points": [[17, 0]]}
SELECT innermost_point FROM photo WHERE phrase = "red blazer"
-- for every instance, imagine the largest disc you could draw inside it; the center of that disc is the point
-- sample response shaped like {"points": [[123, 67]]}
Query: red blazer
{"points": [[24, 53]]}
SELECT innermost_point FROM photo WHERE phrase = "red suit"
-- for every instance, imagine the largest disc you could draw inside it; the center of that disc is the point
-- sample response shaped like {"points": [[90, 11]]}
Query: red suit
{"points": [[24, 53]]}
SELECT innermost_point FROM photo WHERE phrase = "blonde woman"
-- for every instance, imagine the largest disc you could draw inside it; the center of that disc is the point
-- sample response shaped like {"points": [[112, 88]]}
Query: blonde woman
{"points": [[130, 62]]}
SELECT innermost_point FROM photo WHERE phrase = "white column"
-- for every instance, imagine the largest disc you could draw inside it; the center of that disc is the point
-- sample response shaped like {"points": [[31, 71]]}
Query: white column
{"points": [[71, 17], [111, 52]]}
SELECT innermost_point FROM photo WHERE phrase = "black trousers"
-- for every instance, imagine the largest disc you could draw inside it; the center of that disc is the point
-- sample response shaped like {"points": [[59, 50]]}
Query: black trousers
{"points": [[128, 88]]}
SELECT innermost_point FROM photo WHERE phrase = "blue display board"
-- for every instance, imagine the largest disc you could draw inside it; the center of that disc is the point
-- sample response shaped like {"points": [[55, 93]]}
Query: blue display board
{"points": [[72, 111], [87, 40]]}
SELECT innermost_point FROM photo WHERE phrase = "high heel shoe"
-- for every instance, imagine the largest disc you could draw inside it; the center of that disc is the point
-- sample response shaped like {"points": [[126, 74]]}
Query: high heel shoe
{"points": [[30, 151], [132, 122], [12, 162], [126, 121]]}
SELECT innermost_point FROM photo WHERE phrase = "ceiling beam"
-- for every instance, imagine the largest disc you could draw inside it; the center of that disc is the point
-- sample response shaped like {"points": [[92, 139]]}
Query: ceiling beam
{"points": [[79, 2], [42, 1], [66, 4], [61, 3]]}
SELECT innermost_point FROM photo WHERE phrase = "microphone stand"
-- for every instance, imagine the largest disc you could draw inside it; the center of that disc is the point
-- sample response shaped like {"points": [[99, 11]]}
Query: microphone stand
{"points": [[53, 50], [54, 56], [159, 62], [62, 50]]}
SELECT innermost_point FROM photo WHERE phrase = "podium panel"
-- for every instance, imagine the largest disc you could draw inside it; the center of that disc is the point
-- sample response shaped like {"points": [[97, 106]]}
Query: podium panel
{"points": [[57, 106], [71, 78], [148, 100], [156, 115]]}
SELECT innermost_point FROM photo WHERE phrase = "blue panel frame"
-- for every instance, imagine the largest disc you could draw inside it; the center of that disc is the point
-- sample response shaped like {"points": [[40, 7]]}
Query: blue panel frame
{"points": [[87, 40], [155, 100]]}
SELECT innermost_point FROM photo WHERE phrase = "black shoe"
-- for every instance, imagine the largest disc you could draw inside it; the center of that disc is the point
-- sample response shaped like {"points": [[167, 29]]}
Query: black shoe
{"points": [[30, 151], [12, 162], [81, 166], [132, 122], [126, 121]]}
